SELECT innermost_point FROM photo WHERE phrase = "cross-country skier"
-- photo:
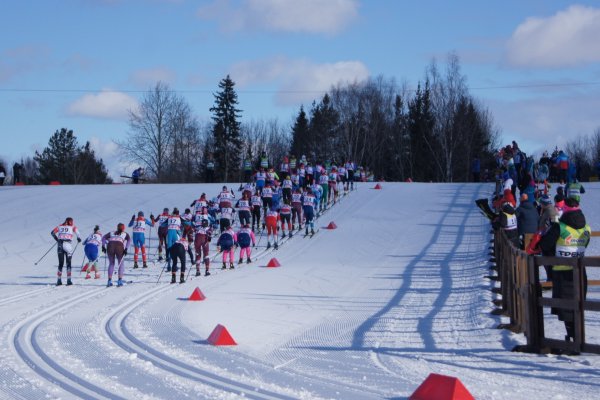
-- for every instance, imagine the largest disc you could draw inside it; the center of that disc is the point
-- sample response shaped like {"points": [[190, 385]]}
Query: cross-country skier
{"points": [[333, 181], [256, 203], [260, 178], [139, 237], [163, 224], [243, 206], [226, 243], [317, 191], [297, 208], [115, 244], [225, 198], [285, 213], [177, 252], [267, 197], [309, 204], [91, 246], [271, 220], [245, 237], [63, 234], [324, 182], [286, 188], [199, 204], [173, 233], [202, 238], [350, 167]]}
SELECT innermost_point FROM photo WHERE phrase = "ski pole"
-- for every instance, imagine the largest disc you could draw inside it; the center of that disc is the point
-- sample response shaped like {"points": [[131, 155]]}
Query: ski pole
{"points": [[105, 257], [81, 269], [45, 254], [161, 272]]}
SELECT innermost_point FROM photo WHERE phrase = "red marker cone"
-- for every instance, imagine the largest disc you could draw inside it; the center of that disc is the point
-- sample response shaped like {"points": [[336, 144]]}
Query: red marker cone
{"points": [[197, 295], [220, 337], [332, 225], [441, 387], [378, 187], [273, 263]]}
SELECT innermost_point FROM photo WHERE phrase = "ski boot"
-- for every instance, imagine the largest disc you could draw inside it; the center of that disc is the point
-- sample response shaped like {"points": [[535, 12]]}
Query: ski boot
{"points": [[87, 276], [198, 273], [182, 278], [241, 260], [173, 278], [168, 267], [109, 283], [206, 273], [119, 282], [283, 235], [268, 245], [97, 276], [58, 282], [290, 235], [224, 266], [306, 232], [69, 282], [160, 257], [248, 260], [144, 265], [231, 266], [135, 265], [276, 246], [312, 231]]}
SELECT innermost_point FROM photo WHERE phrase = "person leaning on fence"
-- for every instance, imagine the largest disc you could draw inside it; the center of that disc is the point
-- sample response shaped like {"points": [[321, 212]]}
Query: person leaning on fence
{"points": [[507, 221], [549, 215], [570, 237]]}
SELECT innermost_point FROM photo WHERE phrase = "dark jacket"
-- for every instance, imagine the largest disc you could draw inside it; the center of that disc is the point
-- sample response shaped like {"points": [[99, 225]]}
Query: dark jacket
{"points": [[575, 219], [527, 218]]}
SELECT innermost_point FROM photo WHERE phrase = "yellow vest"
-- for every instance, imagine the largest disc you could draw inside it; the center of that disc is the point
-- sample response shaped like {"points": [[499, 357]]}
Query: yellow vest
{"points": [[571, 243]]}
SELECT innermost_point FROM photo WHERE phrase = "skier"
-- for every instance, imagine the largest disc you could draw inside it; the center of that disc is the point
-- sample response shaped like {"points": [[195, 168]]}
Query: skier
{"points": [[271, 177], [260, 179], [284, 169], [324, 182], [350, 167], [286, 188], [226, 219], [256, 202], [226, 243], [63, 234], [297, 208], [271, 219], [163, 224], [243, 207], [115, 244], [309, 204], [333, 179], [199, 204], [225, 198], [245, 236], [91, 245], [177, 252], [285, 213], [267, 197], [139, 237], [202, 238], [173, 233]]}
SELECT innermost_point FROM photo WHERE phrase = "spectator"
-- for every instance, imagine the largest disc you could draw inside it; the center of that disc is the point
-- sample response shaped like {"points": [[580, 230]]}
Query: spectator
{"points": [[527, 220], [17, 172], [570, 237], [2, 174]]}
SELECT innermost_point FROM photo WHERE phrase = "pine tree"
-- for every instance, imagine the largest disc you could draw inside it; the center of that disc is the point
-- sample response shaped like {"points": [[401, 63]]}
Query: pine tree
{"points": [[64, 161], [226, 131], [300, 134]]}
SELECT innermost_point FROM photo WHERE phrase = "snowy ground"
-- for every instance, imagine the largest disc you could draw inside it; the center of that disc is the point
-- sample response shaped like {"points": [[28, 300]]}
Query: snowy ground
{"points": [[365, 311]]}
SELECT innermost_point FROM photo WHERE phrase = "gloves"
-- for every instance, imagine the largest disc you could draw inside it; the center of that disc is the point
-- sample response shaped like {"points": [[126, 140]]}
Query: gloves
{"points": [[104, 249], [125, 252], [152, 217], [133, 217], [78, 240]]}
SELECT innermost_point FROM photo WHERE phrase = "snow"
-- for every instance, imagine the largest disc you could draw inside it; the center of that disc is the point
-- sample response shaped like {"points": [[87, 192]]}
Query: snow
{"points": [[364, 311]]}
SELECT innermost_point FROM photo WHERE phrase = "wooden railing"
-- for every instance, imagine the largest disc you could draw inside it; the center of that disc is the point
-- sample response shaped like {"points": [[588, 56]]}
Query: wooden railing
{"points": [[523, 302]]}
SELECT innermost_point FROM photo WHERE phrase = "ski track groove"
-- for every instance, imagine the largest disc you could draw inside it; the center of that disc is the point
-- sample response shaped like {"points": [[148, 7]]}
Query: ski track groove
{"points": [[20, 296], [116, 328]]}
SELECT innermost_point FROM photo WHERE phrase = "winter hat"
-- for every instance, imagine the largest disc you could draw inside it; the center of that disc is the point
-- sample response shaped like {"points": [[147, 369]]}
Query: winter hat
{"points": [[96, 228], [69, 221], [545, 200], [140, 213], [120, 227]]}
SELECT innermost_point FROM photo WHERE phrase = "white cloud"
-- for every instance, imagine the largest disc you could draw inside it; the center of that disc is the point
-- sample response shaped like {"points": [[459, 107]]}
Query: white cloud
{"points": [[108, 151], [149, 77], [106, 104], [545, 122], [298, 80], [568, 38], [308, 16]]}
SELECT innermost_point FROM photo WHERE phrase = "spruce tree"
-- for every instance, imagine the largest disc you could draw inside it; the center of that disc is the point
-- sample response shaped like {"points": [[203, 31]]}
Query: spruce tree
{"points": [[226, 131], [300, 134]]}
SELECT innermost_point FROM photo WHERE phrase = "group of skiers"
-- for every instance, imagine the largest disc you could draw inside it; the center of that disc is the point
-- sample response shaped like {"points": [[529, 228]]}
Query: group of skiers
{"points": [[542, 225], [267, 204]]}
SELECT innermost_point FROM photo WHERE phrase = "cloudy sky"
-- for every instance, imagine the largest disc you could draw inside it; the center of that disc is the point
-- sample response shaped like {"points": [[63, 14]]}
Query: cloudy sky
{"points": [[82, 64]]}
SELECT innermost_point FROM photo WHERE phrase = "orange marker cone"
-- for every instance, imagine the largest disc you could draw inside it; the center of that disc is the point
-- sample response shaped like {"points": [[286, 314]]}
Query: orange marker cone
{"points": [[197, 295], [220, 337]]}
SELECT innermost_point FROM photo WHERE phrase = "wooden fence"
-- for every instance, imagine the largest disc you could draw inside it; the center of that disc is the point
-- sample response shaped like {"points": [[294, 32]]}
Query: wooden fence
{"points": [[522, 299]]}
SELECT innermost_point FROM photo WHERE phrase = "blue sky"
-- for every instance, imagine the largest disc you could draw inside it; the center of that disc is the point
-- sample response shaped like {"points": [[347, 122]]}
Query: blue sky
{"points": [[81, 64]]}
